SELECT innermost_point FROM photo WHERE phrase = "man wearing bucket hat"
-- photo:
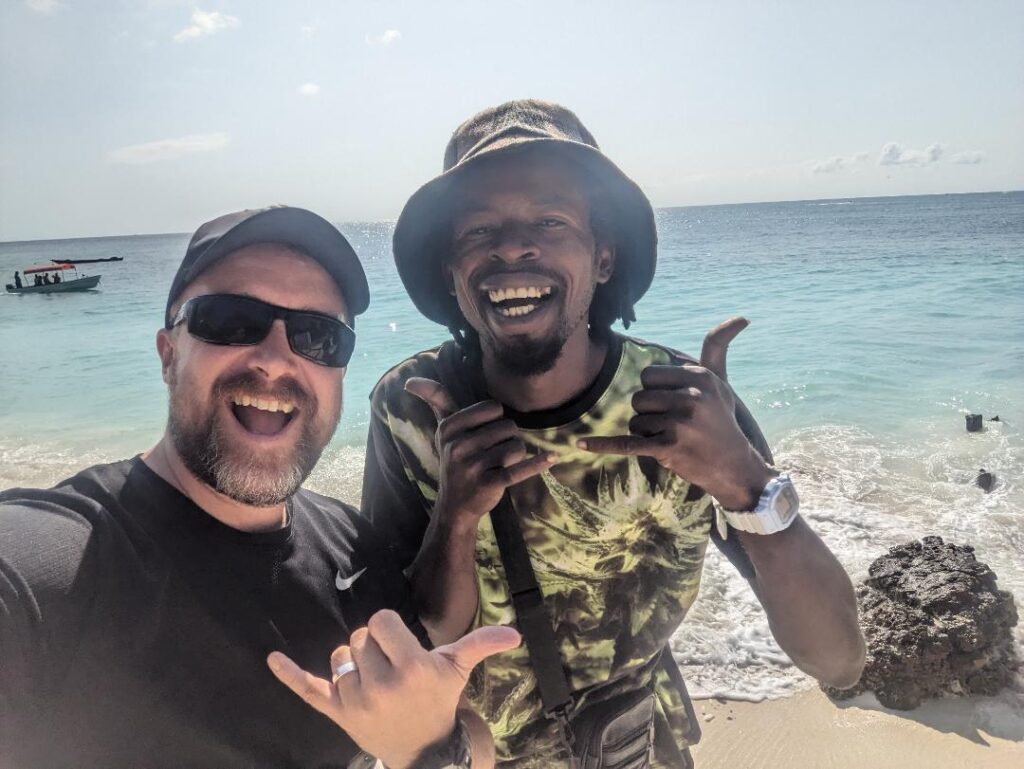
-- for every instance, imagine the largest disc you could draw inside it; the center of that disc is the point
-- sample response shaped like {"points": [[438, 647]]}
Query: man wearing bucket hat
{"points": [[541, 469], [141, 602]]}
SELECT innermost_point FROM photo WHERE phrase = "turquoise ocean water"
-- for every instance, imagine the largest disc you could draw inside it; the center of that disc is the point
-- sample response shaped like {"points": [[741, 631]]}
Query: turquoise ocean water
{"points": [[876, 323]]}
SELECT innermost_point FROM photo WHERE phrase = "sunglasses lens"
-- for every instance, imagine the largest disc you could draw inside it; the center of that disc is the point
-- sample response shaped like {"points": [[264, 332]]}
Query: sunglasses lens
{"points": [[323, 340], [229, 320]]}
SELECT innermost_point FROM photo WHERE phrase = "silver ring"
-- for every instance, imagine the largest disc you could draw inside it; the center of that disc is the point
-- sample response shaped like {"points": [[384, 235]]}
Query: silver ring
{"points": [[343, 668]]}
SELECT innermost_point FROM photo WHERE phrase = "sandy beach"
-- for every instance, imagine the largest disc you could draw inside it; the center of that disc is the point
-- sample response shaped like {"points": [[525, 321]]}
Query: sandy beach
{"points": [[808, 731]]}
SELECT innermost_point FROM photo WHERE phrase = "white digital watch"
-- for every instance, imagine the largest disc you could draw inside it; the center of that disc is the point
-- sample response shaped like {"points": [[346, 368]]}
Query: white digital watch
{"points": [[776, 509]]}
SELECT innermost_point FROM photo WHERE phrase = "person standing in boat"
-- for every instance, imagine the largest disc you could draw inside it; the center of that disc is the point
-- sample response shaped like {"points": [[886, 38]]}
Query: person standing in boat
{"points": [[17, 279], [56, 277]]}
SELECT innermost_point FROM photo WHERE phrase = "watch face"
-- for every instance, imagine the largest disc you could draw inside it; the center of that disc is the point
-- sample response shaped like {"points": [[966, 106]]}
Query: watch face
{"points": [[787, 503]]}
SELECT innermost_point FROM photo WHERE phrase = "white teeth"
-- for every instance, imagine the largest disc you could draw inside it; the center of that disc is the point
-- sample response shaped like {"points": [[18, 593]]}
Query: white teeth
{"points": [[512, 312], [525, 292], [264, 405]]}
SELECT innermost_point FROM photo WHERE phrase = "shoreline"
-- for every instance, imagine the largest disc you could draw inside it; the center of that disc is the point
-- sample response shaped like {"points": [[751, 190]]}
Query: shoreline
{"points": [[809, 731]]}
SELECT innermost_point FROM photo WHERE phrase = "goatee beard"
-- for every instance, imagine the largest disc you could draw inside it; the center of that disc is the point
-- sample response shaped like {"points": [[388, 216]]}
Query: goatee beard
{"points": [[529, 357], [244, 476]]}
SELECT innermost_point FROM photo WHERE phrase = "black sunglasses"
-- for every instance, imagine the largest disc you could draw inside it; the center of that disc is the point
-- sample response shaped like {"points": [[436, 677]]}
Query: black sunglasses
{"points": [[230, 319]]}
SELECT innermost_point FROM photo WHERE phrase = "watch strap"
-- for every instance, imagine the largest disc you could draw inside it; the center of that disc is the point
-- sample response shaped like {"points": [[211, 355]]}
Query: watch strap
{"points": [[455, 753], [763, 519]]}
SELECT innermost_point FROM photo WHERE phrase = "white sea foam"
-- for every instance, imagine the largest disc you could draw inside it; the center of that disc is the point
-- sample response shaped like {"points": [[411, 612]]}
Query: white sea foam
{"points": [[862, 493]]}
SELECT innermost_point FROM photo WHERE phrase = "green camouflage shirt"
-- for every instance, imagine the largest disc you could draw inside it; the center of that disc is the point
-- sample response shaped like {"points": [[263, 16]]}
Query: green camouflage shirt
{"points": [[617, 543]]}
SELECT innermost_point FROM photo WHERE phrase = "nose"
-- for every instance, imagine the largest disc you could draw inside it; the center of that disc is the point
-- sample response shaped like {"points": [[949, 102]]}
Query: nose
{"points": [[513, 242], [273, 357]]}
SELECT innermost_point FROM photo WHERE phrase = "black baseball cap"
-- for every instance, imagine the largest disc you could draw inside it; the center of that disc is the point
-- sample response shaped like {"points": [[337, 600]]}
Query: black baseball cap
{"points": [[296, 227]]}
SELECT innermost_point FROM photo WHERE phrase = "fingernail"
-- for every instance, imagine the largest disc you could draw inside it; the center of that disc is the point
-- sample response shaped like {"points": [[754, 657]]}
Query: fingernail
{"points": [[551, 458], [582, 444], [274, 663]]}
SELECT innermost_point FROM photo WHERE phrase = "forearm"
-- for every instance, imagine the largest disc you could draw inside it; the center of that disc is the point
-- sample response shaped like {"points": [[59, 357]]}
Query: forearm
{"points": [[443, 578], [809, 601]]}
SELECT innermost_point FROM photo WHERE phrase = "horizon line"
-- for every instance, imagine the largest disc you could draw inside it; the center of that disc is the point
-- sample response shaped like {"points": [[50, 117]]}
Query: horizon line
{"points": [[656, 208]]}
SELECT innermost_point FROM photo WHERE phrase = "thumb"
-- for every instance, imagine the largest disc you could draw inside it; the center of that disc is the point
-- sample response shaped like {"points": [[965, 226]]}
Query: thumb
{"points": [[716, 344], [433, 394], [473, 648]]}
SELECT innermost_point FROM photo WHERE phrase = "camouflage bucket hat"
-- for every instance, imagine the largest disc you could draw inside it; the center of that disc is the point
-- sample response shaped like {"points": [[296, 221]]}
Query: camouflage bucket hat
{"points": [[422, 234]]}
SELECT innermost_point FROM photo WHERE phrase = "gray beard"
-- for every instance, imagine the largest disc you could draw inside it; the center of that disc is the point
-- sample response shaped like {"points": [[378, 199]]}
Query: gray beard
{"points": [[249, 479]]}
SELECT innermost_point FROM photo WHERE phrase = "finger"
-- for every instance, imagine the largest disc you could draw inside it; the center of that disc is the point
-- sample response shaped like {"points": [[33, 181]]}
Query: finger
{"points": [[517, 473], [649, 425], [470, 650], [316, 692], [366, 653], [664, 401], [469, 418], [393, 637], [716, 344], [341, 656], [674, 377], [504, 454], [473, 442], [624, 445], [433, 394]]}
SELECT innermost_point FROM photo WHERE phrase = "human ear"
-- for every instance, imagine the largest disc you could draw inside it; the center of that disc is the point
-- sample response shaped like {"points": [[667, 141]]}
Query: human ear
{"points": [[605, 257], [165, 349]]}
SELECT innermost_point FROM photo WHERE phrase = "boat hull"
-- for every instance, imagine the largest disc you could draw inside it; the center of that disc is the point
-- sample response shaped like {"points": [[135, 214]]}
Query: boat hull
{"points": [[81, 284]]}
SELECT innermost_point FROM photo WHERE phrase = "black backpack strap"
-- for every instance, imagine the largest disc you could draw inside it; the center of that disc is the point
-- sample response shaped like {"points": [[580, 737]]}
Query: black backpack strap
{"points": [[531, 615], [668, 662]]}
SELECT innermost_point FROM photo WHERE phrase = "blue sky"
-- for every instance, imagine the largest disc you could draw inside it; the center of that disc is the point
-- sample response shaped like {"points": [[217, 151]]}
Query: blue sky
{"points": [[121, 117]]}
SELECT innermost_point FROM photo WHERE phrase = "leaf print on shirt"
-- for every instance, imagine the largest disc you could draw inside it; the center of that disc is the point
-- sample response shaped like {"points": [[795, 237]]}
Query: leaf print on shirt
{"points": [[635, 552]]}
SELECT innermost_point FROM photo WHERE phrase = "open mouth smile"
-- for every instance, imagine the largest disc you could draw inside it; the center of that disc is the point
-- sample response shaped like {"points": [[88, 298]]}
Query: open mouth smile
{"points": [[262, 416], [514, 302]]}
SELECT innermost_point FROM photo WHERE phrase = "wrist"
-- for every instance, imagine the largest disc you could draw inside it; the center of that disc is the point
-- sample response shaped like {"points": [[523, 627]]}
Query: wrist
{"points": [[456, 523], [743, 491], [452, 752]]}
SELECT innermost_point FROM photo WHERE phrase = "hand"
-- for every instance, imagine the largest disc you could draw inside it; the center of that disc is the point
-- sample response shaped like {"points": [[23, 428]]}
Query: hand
{"points": [[401, 699], [686, 419], [481, 454]]}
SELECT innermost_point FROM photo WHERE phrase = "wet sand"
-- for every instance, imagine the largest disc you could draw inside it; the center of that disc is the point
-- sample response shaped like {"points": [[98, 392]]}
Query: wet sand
{"points": [[808, 731]]}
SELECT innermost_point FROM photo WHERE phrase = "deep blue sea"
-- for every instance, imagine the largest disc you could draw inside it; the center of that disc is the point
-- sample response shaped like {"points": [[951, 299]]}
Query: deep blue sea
{"points": [[876, 324]]}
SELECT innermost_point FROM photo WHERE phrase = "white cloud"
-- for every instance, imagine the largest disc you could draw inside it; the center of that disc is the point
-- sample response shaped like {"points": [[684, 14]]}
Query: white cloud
{"points": [[894, 154], [387, 37], [169, 149], [309, 89], [48, 7], [969, 157], [204, 23], [838, 163], [308, 31]]}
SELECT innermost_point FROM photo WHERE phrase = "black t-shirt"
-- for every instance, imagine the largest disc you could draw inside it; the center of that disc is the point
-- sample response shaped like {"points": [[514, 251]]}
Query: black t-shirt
{"points": [[134, 627]]}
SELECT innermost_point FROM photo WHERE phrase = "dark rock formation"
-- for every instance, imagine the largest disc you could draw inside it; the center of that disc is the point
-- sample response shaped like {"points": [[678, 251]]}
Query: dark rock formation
{"points": [[935, 624], [985, 480], [974, 423]]}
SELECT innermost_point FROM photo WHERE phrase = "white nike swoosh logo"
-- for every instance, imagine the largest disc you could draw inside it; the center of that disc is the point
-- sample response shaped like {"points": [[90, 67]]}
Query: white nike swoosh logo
{"points": [[344, 583]]}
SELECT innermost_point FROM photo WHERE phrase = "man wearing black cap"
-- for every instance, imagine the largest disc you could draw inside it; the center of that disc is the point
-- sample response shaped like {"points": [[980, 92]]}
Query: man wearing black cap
{"points": [[142, 602], [544, 470]]}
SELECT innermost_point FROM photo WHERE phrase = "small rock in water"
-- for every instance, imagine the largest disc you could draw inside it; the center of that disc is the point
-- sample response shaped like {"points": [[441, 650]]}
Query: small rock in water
{"points": [[985, 480], [974, 423], [994, 419], [935, 624]]}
